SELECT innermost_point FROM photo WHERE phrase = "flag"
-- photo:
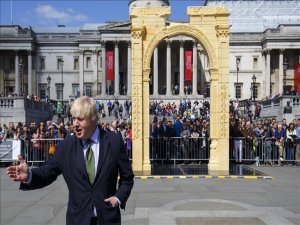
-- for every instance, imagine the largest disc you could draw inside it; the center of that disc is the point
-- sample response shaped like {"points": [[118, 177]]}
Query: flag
{"points": [[297, 77], [110, 65], [188, 65]]}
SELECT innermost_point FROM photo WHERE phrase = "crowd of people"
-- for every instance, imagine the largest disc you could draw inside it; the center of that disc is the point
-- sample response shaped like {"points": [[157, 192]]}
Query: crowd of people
{"points": [[276, 141], [31, 133], [272, 141]]}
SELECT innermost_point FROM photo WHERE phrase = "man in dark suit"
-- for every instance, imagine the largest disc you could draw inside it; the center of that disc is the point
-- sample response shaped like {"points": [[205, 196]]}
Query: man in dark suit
{"points": [[90, 162], [163, 139]]}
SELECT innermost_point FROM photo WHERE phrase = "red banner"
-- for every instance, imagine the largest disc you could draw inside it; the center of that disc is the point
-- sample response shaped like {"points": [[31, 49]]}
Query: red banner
{"points": [[297, 77], [110, 65], [188, 65]]}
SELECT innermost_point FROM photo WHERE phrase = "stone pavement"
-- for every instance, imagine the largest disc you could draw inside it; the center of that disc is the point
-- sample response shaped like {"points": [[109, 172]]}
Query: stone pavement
{"points": [[172, 201]]}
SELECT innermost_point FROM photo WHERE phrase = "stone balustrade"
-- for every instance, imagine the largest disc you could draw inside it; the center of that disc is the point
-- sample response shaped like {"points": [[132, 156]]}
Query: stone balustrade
{"points": [[274, 108], [20, 109]]}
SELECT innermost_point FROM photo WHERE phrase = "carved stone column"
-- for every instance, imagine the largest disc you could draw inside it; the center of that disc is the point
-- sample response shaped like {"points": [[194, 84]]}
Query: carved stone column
{"points": [[146, 120], [219, 108], [30, 73], [137, 34], [181, 68], [117, 75]]}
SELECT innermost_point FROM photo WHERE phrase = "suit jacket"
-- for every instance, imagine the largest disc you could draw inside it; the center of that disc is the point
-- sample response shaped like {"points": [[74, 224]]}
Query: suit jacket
{"points": [[83, 196], [162, 132]]}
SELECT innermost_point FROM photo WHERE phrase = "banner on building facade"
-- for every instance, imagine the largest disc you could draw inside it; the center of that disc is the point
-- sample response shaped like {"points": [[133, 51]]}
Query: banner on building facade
{"points": [[188, 65], [110, 65], [297, 77], [9, 150]]}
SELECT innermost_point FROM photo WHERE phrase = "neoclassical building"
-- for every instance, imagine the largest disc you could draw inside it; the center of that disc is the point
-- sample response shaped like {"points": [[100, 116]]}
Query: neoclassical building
{"points": [[94, 60]]}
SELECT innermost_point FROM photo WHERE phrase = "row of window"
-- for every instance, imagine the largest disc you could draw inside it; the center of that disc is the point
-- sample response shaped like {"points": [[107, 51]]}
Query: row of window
{"points": [[254, 62], [88, 63], [254, 90], [59, 90]]}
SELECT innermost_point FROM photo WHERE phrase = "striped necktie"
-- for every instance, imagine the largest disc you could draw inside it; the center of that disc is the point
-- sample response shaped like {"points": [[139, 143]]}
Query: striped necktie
{"points": [[90, 162]]}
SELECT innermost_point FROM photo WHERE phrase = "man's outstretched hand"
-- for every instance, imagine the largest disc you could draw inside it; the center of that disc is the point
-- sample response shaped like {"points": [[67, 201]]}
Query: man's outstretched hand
{"points": [[18, 172]]}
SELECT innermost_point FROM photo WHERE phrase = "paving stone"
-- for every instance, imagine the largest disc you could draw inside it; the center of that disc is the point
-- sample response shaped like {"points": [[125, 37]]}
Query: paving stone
{"points": [[218, 221], [171, 201]]}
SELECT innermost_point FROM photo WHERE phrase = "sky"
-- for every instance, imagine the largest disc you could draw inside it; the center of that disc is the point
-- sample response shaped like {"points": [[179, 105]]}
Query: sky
{"points": [[40, 13]]}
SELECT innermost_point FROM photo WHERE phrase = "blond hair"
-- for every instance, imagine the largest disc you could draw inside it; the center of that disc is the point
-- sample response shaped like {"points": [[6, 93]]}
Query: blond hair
{"points": [[85, 107]]}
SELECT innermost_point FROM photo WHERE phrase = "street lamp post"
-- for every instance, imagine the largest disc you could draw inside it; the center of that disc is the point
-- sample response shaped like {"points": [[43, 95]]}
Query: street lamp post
{"points": [[21, 77], [62, 79], [285, 65], [254, 87], [48, 86], [237, 77]]}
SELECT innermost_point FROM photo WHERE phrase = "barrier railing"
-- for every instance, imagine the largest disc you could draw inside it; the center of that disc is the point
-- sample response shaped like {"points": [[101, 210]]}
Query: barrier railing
{"points": [[246, 149], [179, 150], [39, 150], [189, 150], [265, 150]]}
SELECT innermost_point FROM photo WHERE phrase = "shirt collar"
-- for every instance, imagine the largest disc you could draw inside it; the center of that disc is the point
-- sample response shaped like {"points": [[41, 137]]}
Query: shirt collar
{"points": [[94, 137]]}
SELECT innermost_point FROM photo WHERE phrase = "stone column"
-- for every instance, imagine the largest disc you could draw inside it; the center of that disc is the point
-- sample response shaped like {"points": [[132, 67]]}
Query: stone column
{"points": [[146, 120], [117, 75], [263, 75], [168, 84], [95, 69], [36, 77], [81, 71], [195, 69], [280, 78], [155, 72], [103, 82], [30, 73], [268, 74], [181, 68], [205, 66], [17, 74], [138, 135], [202, 76], [129, 76]]}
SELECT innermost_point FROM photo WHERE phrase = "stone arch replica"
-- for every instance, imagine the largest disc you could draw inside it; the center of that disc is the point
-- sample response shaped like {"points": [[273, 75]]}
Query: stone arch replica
{"points": [[208, 26]]}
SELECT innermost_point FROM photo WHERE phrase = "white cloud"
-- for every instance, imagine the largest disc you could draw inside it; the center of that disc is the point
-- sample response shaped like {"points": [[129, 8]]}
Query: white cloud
{"points": [[50, 13]]}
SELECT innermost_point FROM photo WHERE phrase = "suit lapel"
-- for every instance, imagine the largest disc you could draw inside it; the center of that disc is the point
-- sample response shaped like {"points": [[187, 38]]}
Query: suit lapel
{"points": [[103, 149], [80, 163]]}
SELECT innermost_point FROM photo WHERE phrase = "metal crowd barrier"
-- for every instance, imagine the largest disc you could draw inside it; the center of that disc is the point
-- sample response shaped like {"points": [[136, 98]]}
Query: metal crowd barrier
{"points": [[189, 150], [179, 150], [264, 150], [39, 150]]}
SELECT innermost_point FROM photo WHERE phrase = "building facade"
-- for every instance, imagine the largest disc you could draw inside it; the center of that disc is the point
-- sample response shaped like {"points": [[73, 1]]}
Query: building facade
{"points": [[65, 62]]}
